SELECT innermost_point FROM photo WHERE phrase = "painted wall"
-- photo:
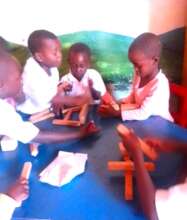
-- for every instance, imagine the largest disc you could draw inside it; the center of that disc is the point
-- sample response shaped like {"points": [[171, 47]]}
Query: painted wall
{"points": [[166, 15]]}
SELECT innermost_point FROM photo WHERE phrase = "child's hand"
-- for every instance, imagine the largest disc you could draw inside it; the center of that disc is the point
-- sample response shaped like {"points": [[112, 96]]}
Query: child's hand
{"points": [[108, 111], [65, 87], [160, 145], [19, 191], [131, 143], [89, 129], [57, 105], [90, 83]]}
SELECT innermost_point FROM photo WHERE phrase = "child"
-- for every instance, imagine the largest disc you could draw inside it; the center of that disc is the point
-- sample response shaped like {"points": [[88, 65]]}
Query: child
{"points": [[40, 74], [150, 88], [12, 198], [11, 123], [157, 204], [81, 76]]}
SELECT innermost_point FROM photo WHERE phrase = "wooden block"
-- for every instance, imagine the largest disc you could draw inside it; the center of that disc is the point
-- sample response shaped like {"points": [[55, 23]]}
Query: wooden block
{"points": [[39, 114], [150, 152], [68, 115], [43, 117], [26, 170], [129, 106], [34, 149], [128, 165], [128, 185], [83, 114], [66, 122], [72, 109]]}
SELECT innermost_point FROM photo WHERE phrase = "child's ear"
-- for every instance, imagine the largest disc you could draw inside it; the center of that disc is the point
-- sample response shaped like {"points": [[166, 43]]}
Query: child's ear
{"points": [[38, 57], [155, 59]]}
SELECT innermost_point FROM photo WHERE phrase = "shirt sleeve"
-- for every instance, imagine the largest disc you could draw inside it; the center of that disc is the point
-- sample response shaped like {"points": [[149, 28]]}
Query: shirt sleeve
{"points": [[172, 203], [157, 103], [14, 127], [98, 83], [7, 207]]}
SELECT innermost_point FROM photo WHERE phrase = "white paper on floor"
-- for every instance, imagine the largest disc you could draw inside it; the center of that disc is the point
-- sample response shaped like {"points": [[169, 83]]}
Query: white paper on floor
{"points": [[64, 168]]}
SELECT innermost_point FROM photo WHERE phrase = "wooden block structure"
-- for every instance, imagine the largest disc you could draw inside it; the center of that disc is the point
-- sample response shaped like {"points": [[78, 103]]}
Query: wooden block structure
{"points": [[83, 112], [127, 165], [41, 116]]}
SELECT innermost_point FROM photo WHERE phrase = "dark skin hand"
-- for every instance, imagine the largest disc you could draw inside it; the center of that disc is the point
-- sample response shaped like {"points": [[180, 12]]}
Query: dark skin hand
{"points": [[19, 191]]}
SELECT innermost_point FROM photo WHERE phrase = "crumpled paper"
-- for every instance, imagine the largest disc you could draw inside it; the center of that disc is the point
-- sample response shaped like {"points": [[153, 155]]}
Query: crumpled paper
{"points": [[63, 168]]}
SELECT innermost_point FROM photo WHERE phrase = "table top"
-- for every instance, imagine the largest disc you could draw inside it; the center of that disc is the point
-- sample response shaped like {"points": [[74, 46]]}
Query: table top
{"points": [[95, 194]]}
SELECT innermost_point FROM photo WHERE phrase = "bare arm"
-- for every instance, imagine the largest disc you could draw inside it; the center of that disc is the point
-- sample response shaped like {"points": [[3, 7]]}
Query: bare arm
{"points": [[145, 185], [167, 145], [47, 137]]}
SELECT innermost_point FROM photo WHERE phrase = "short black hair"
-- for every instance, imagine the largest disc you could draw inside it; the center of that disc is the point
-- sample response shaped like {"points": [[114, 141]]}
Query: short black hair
{"points": [[80, 48], [36, 38], [147, 43]]}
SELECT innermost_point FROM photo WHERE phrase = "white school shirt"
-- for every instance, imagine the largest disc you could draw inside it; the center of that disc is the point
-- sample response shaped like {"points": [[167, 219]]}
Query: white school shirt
{"points": [[12, 125], [153, 99], [38, 86], [7, 207], [171, 204], [77, 86]]}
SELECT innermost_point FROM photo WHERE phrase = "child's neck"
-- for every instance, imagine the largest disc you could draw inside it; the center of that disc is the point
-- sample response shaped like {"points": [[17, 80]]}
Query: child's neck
{"points": [[148, 78], [45, 67]]}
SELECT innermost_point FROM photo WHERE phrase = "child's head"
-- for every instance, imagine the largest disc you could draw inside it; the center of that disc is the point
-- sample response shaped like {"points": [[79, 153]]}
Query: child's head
{"points": [[144, 53], [10, 76], [79, 59], [45, 48]]}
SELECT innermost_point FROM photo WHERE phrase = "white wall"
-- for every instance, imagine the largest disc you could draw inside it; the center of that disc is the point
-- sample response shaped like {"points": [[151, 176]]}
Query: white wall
{"points": [[18, 18]]}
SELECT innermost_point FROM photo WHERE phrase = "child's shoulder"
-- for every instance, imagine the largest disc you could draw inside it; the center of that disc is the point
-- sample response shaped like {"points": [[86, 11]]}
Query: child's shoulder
{"points": [[92, 72], [161, 77]]}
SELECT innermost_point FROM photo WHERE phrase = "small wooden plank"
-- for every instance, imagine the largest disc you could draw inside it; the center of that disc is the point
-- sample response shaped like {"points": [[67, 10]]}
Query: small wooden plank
{"points": [[26, 170], [128, 185], [128, 165]]}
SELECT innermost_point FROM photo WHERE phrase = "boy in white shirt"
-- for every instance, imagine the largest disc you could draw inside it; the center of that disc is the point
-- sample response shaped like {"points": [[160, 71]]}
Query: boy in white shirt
{"points": [[40, 75], [157, 204], [80, 75], [150, 88]]}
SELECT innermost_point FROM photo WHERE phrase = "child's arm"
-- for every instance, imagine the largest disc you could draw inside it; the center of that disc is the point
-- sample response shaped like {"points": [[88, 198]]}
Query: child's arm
{"points": [[95, 94], [167, 145], [47, 137], [61, 100], [145, 186], [154, 103]]}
